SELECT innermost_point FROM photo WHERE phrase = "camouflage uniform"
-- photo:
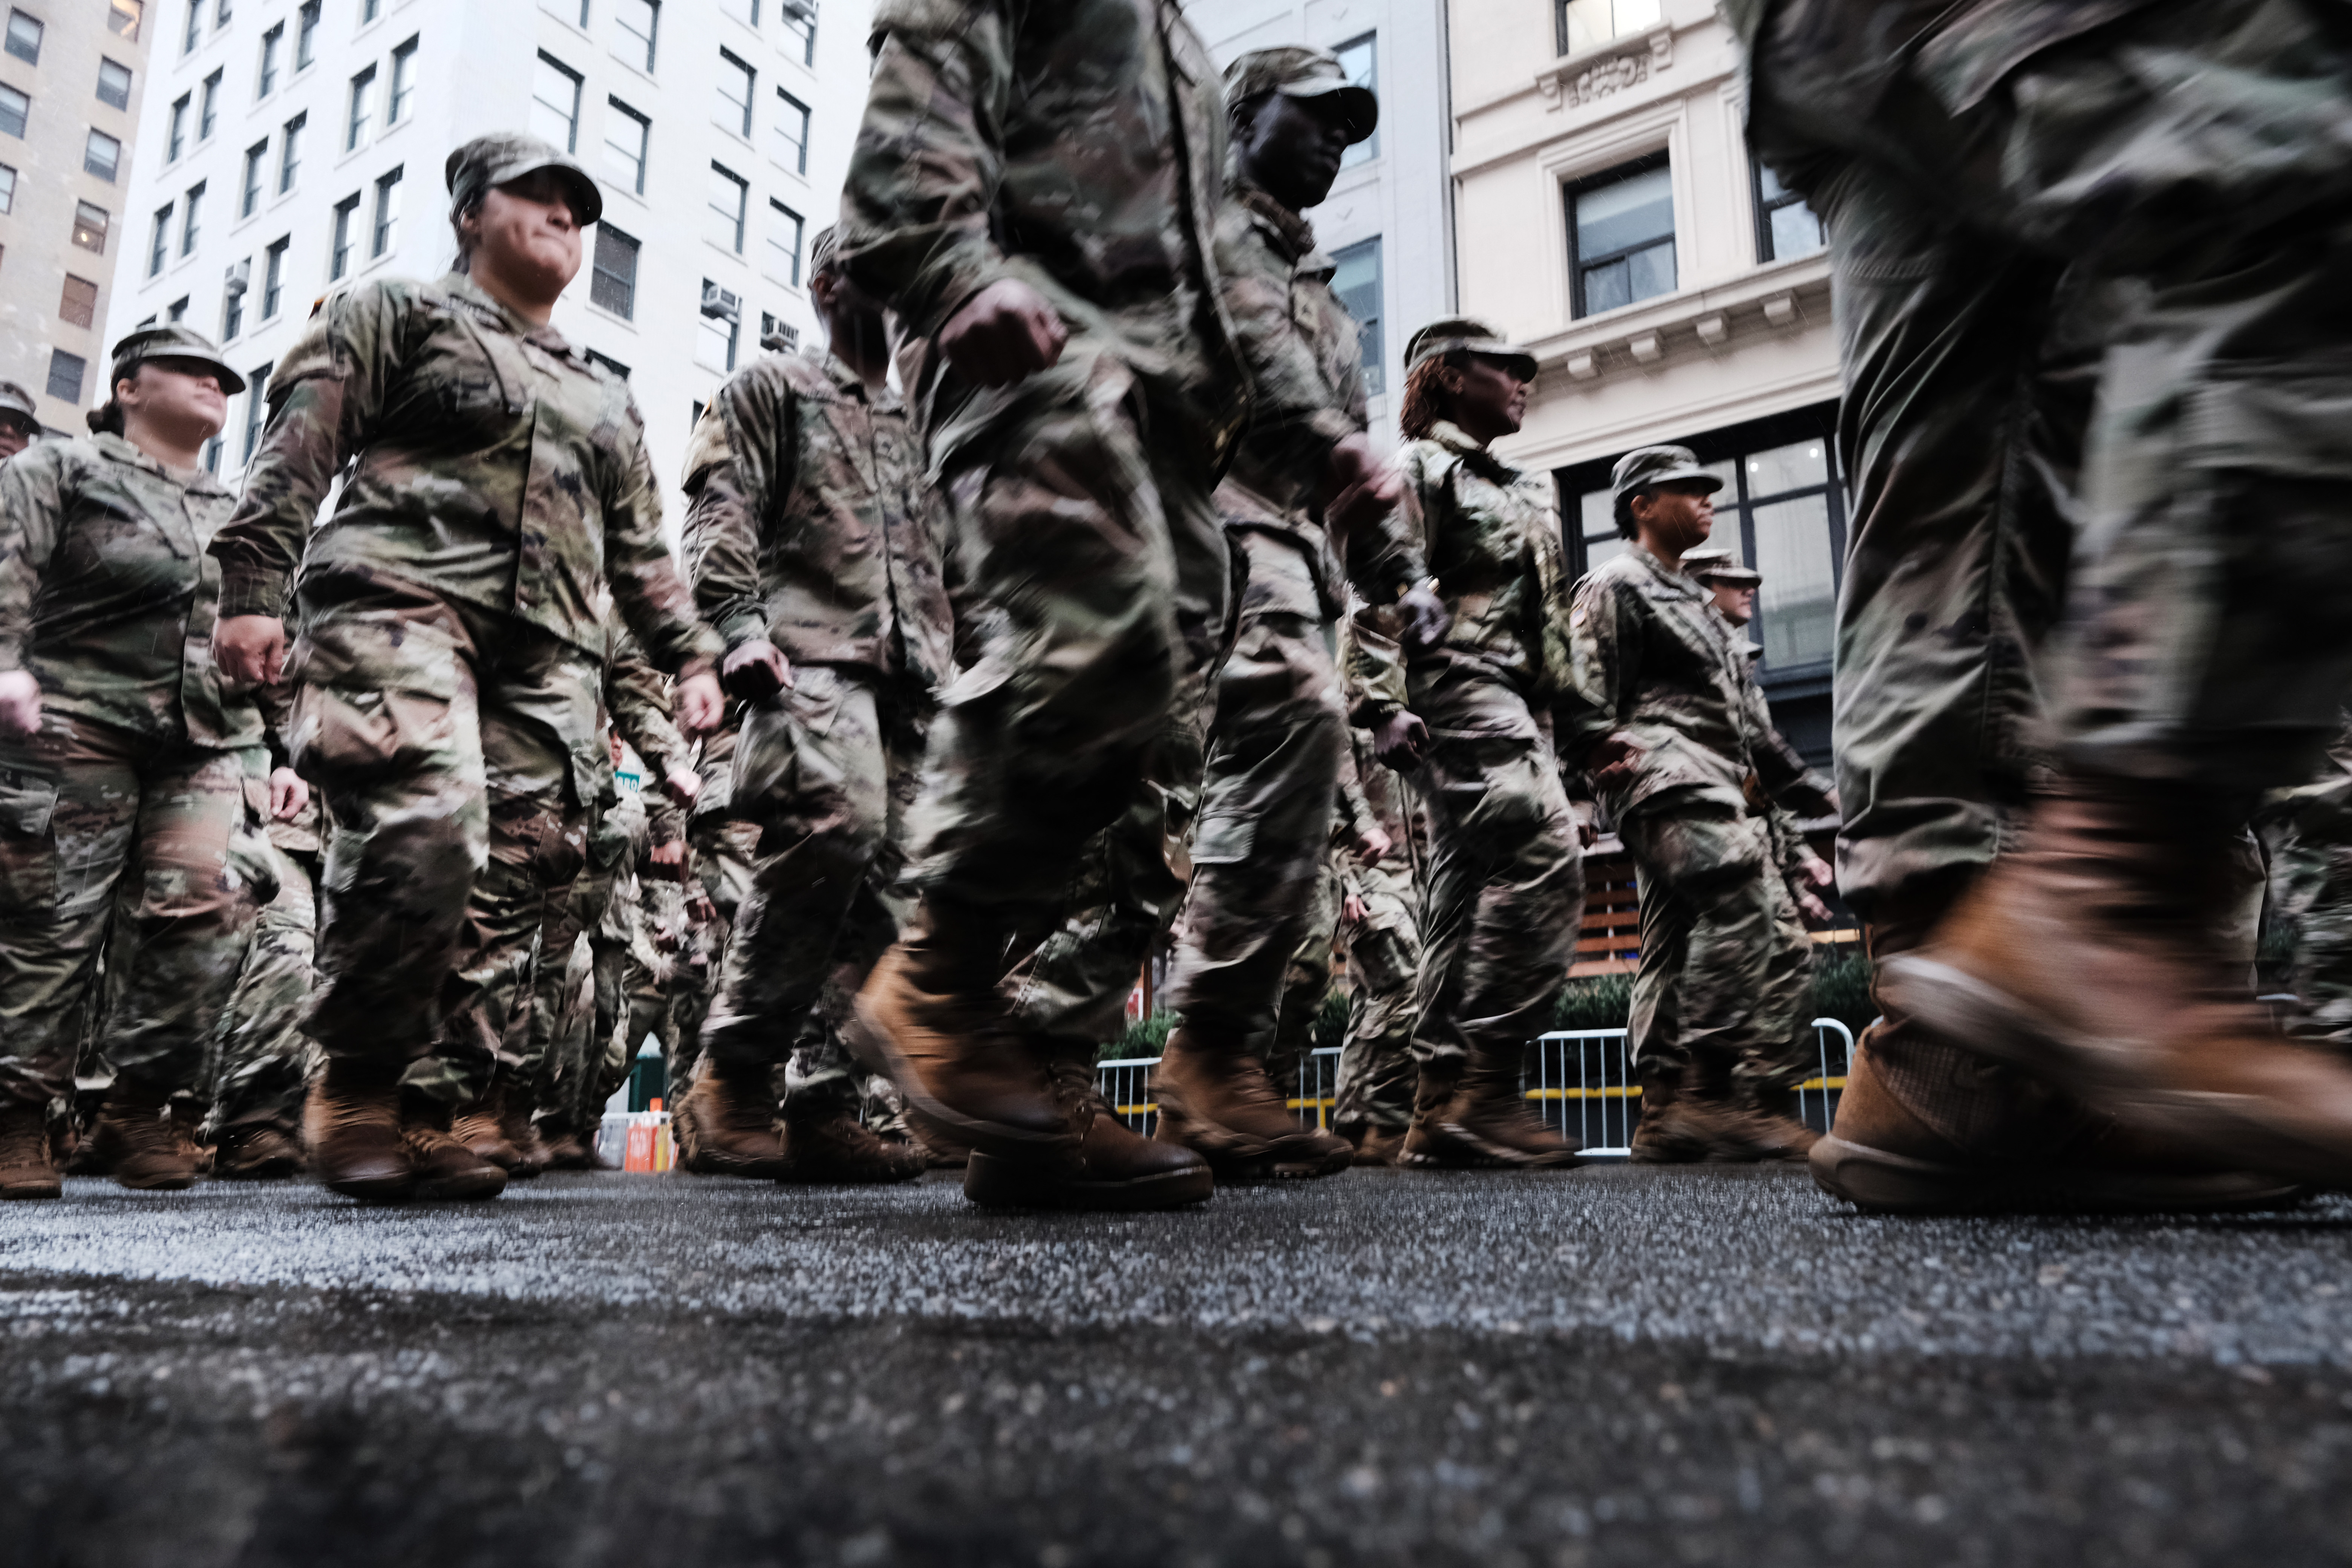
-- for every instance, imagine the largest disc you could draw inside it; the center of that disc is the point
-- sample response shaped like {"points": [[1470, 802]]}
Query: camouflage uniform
{"points": [[1277, 731], [265, 1059], [453, 632], [1376, 1068], [1089, 143], [1308, 979], [1506, 879], [814, 529], [1658, 669], [142, 763], [2308, 832]]}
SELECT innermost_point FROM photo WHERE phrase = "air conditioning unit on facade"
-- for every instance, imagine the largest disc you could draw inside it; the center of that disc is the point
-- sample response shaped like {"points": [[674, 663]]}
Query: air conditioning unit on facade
{"points": [[724, 304], [778, 337], [240, 276]]}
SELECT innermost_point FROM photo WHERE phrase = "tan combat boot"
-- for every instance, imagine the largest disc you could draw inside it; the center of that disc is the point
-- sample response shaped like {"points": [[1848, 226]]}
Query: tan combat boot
{"points": [[1425, 1143], [256, 1152], [481, 1127], [27, 1170], [727, 1126], [139, 1140], [829, 1146], [1379, 1146], [352, 1127], [1215, 1098], [445, 1166], [1687, 1117], [1771, 1122], [1488, 1123], [2088, 958], [1109, 1167], [521, 1134]]}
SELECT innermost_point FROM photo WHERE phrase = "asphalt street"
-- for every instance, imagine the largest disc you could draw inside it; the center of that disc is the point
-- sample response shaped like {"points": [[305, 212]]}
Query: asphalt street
{"points": [[1601, 1366]]}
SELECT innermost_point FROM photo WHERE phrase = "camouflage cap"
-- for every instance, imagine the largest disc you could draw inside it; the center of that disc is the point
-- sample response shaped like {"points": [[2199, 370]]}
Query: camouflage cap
{"points": [[823, 249], [1296, 72], [174, 340], [1733, 576], [17, 407], [508, 155], [1646, 466], [1706, 559], [1448, 333]]}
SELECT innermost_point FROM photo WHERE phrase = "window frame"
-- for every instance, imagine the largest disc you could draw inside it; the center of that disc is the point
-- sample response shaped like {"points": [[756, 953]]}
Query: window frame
{"points": [[232, 312], [273, 277], [208, 105], [339, 244], [24, 116], [1368, 149], [103, 228], [728, 58], [159, 248], [572, 142], [257, 410], [1765, 206], [383, 231], [650, 39], [130, 83], [598, 272], [65, 301], [1372, 335], [402, 89], [800, 164], [799, 252], [59, 359], [289, 151], [7, 189], [191, 210], [613, 106], [1616, 173], [176, 143], [114, 165], [798, 18], [356, 115], [305, 35], [249, 185], [742, 203], [40, 35], [265, 74]]}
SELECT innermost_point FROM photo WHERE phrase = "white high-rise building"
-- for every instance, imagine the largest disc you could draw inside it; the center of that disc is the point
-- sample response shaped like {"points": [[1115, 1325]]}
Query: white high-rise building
{"points": [[289, 148], [1386, 224]]}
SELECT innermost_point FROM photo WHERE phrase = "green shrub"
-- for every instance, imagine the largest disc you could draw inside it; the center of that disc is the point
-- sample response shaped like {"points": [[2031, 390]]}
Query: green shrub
{"points": [[1841, 991]]}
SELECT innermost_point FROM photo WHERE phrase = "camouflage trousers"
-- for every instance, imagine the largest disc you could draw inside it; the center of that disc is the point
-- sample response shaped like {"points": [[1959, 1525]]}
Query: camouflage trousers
{"points": [[265, 1059], [1724, 964], [456, 749], [1307, 980], [1506, 889], [1377, 1076], [828, 770], [83, 806], [557, 1056], [1260, 851], [1089, 535], [2307, 834]]}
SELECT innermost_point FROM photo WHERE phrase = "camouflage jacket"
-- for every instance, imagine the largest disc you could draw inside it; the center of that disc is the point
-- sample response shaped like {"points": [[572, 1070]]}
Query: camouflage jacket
{"points": [[1491, 534], [490, 463], [107, 595], [810, 523], [1076, 145], [637, 700], [1653, 667], [1305, 362]]}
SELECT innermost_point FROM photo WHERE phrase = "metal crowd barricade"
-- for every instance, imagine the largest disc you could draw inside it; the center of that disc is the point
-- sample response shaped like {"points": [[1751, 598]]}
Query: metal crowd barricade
{"points": [[1580, 1080]]}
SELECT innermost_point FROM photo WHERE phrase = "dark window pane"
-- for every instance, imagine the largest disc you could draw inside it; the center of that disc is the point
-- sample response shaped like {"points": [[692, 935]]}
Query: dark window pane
{"points": [[1607, 287], [65, 371]]}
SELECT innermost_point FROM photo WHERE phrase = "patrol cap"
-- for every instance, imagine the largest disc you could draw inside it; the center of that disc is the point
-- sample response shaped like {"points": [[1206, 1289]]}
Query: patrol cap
{"points": [[174, 340], [1707, 560], [507, 156], [1733, 576], [1296, 71], [823, 249], [17, 407], [1448, 333], [1646, 466]]}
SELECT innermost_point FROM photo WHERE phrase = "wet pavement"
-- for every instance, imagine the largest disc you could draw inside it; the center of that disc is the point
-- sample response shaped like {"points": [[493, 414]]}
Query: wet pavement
{"points": [[1600, 1366]]}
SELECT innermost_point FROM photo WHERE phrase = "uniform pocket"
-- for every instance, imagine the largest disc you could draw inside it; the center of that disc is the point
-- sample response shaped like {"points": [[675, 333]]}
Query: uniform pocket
{"points": [[28, 850], [1222, 840], [375, 699]]}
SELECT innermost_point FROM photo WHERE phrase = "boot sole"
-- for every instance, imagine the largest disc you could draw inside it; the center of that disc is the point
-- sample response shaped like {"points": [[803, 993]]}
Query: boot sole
{"points": [[1019, 1145], [463, 1189], [991, 1182], [1234, 1157], [31, 1191], [1497, 1156], [373, 1189], [1878, 1182], [847, 1176], [2234, 1130]]}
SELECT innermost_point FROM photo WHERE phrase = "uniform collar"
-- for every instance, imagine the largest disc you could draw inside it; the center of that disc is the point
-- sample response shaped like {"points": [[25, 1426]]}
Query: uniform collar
{"points": [[846, 379], [1677, 583], [479, 301], [122, 451], [1292, 234], [1454, 439]]}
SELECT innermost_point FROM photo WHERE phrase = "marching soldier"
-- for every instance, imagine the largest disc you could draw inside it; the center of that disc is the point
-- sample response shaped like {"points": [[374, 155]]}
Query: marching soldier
{"points": [[20, 420]]}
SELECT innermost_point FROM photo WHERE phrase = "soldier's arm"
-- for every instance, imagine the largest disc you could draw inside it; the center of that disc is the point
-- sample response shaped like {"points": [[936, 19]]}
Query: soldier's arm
{"points": [[925, 170], [1603, 626], [1371, 673], [741, 455], [324, 399], [651, 596], [33, 490], [638, 699], [1296, 416]]}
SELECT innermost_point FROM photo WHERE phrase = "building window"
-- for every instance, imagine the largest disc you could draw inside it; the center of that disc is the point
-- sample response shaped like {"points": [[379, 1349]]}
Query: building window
{"points": [[1620, 235], [196, 27], [89, 227], [177, 142], [609, 363], [162, 245], [15, 109], [638, 22], [102, 154], [734, 108], [1786, 227], [730, 193], [744, 11], [248, 194], [124, 17], [404, 83], [290, 152], [339, 260], [723, 319], [1589, 23], [66, 373], [266, 81], [305, 35], [191, 215], [177, 310], [213, 455], [800, 28], [555, 103], [387, 214], [220, 16], [208, 107], [25, 37], [627, 135], [1356, 279], [79, 304], [257, 409], [113, 84], [785, 228], [792, 131], [273, 278], [370, 10], [232, 307], [355, 128], [1359, 58], [613, 284], [7, 190]]}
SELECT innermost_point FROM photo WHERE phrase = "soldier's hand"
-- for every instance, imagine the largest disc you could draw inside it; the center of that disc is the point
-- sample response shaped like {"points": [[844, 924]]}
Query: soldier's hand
{"points": [[1426, 619], [250, 650], [1005, 333], [1612, 762], [20, 704], [697, 701], [1400, 741], [1808, 881], [681, 783], [289, 794], [1373, 844], [755, 671], [1354, 912]]}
